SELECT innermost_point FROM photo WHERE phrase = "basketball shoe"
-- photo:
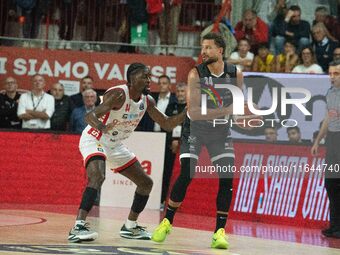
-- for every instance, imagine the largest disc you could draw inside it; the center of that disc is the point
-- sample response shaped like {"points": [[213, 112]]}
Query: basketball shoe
{"points": [[81, 232], [137, 232], [161, 231], [219, 240]]}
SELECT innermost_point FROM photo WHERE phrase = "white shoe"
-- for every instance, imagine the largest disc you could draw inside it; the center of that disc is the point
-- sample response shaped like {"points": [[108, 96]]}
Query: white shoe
{"points": [[62, 45], [68, 46], [97, 48], [26, 44], [86, 47], [81, 233]]}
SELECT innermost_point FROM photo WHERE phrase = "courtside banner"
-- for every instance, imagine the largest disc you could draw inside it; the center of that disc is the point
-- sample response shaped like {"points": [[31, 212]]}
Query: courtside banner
{"points": [[281, 184], [285, 115], [118, 191], [69, 67]]}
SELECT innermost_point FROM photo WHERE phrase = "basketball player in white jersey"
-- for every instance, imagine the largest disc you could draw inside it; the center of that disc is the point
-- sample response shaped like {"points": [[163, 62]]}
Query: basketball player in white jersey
{"points": [[101, 143]]}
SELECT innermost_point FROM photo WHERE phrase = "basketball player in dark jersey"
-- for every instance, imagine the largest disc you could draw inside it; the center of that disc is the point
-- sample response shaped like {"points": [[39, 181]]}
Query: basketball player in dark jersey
{"points": [[199, 130]]}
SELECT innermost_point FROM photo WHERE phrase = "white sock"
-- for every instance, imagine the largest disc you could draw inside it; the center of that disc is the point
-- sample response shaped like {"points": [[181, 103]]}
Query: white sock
{"points": [[130, 224], [80, 222]]}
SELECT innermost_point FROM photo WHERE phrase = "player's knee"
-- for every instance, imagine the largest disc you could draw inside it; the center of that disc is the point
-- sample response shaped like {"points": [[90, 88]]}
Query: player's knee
{"points": [[96, 180], [147, 184]]}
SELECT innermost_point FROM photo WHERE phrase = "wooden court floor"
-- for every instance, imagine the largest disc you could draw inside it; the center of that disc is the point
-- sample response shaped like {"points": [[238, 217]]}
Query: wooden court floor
{"points": [[43, 230]]}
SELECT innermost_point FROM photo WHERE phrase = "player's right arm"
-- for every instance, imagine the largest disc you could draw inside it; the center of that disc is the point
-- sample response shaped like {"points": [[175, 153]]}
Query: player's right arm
{"points": [[321, 135], [112, 100], [194, 98]]}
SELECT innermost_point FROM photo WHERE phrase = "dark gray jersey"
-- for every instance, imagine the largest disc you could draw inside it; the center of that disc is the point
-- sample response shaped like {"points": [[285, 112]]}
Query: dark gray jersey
{"points": [[215, 98]]}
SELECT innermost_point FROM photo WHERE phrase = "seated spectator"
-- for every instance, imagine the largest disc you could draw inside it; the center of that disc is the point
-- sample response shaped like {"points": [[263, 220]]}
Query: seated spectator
{"points": [[264, 61], [270, 134], [62, 111], [9, 105], [336, 53], [332, 25], [77, 120], [294, 135], [252, 28], [242, 58], [36, 107], [286, 61], [308, 65], [77, 99], [290, 27], [323, 46]]}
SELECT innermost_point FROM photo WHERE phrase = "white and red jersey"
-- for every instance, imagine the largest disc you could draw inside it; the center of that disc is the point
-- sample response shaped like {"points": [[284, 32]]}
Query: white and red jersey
{"points": [[127, 117]]}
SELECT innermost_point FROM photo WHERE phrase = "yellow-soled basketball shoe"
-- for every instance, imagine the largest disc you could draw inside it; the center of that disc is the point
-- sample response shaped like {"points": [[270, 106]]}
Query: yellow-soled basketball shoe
{"points": [[161, 231], [219, 240]]}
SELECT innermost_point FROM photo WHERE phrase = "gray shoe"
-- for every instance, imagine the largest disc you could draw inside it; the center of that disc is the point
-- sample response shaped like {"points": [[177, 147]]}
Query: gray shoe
{"points": [[81, 233], [137, 232]]}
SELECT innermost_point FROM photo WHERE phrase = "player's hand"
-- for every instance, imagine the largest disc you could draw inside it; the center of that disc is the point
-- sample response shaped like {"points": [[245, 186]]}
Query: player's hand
{"points": [[174, 146], [314, 150]]}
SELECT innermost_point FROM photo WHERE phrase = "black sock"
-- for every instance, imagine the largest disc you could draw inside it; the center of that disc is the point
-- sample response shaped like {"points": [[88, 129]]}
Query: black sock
{"points": [[221, 220], [170, 213]]}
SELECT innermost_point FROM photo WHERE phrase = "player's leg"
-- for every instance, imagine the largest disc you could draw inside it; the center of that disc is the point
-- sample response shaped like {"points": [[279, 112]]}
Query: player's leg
{"points": [[94, 156], [95, 169], [222, 156], [123, 161], [144, 184], [188, 162]]}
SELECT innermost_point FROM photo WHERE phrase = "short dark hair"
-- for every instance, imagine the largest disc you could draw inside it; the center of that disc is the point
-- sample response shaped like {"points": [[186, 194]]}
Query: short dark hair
{"points": [[335, 62], [264, 46], [218, 39], [134, 67], [293, 128], [87, 77], [164, 76], [295, 8], [290, 41]]}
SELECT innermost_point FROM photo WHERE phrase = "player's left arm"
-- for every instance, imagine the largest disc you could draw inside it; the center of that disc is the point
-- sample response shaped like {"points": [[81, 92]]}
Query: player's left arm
{"points": [[166, 122]]}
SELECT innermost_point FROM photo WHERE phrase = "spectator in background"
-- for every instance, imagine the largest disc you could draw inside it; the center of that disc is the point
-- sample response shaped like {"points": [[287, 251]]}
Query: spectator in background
{"points": [[286, 61], [77, 99], [323, 46], [168, 25], [252, 28], [9, 105], [270, 134], [308, 65], [264, 61], [68, 10], [291, 27], [242, 58], [33, 12], [77, 120], [336, 53], [62, 111], [7, 10], [332, 25], [94, 13], [172, 138], [294, 135], [36, 107], [163, 99]]}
